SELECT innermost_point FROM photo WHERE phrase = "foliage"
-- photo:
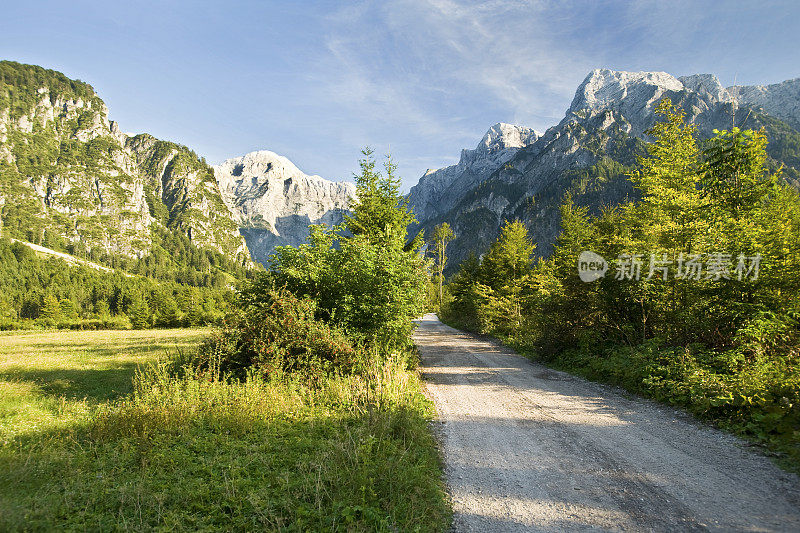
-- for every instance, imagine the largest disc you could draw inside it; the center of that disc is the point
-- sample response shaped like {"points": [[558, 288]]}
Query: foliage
{"points": [[493, 287], [276, 335], [442, 234], [47, 292], [187, 451], [139, 313], [364, 276], [736, 177], [722, 344], [381, 213]]}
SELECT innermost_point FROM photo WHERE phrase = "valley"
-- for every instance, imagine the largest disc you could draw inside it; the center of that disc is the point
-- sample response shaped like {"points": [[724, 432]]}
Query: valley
{"points": [[244, 346]]}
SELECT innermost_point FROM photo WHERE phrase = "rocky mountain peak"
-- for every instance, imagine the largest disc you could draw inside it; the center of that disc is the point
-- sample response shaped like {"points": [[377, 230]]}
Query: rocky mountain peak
{"points": [[604, 88], [438, 190], [498, 143], [503, 135], [261, 165], [706, 85], [274, 202]]}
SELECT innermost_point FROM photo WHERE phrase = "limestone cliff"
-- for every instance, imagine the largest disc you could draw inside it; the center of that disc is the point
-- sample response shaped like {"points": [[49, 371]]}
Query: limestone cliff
{"points": [[274, 202], [70, 177]]}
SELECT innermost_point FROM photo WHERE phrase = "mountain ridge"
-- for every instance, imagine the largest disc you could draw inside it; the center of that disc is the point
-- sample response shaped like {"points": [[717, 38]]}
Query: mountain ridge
{"points": [[262, 190], [71, 179], [592, 149]]}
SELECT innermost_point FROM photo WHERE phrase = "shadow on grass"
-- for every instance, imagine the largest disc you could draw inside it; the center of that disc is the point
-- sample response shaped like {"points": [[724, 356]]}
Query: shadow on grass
{"points": [[370, 472], [77, 384], [114, 350]]}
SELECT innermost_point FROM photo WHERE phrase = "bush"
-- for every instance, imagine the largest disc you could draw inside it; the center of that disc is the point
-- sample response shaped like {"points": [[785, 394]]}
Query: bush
{"points": [[277, 335]]}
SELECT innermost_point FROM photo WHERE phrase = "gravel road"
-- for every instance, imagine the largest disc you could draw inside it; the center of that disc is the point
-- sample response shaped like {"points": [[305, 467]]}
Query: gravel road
{"points": [[527, 448]]}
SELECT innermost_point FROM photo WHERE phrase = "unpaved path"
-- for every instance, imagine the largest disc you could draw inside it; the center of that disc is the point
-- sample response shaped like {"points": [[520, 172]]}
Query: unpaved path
{"points": [[532, 449]]}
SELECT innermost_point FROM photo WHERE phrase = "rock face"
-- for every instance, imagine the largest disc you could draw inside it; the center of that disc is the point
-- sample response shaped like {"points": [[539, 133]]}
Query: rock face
{"points": [[71, 177], [273, 202], [590, 152], [781, 100], [439, 190]]}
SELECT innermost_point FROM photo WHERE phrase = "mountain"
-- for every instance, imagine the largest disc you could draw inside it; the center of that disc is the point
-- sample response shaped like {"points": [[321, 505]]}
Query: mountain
{"points": [[439, 190], [273, 202], [589, 153], [70, 179]]}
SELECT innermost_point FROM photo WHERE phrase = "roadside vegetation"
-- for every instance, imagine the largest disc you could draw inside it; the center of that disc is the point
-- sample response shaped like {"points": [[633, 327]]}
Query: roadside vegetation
{"points": [[303, 412], [699, 306]]}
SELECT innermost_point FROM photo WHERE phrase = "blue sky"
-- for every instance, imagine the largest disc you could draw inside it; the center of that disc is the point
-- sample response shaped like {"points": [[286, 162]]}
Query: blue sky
{"points": [[317, 81]]}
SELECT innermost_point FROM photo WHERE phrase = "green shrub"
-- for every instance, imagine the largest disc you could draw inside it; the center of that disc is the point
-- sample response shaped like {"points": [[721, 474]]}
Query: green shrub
{"points": [[279, 335]]}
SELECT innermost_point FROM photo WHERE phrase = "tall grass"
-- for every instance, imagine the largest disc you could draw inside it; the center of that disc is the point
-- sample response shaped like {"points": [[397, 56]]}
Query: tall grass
{"points": [[189, 450]]}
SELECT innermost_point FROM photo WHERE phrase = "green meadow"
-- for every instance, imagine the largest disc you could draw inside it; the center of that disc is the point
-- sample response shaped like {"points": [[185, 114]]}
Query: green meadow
{"points": [[100, 430]]}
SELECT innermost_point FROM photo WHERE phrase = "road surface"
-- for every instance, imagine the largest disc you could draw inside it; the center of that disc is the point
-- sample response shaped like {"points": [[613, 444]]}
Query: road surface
{"points": [[532, 449]]}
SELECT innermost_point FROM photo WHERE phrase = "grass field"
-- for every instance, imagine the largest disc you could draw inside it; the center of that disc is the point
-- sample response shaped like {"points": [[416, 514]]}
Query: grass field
{"points": [[52, 378], [82, 447]]}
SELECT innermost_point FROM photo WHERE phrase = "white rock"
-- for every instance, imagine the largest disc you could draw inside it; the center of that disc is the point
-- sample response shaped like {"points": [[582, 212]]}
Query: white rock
{"points": [[275, 202], [781, 100]]}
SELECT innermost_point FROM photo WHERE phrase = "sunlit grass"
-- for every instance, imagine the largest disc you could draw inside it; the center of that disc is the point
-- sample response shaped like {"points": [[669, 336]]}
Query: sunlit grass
{"points": [[49, 379], [83, 451]]}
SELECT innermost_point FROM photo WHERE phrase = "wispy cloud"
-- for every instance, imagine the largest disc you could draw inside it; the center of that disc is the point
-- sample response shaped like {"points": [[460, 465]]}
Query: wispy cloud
{"points": [[429, 76], [445, 70], [397, 56]]}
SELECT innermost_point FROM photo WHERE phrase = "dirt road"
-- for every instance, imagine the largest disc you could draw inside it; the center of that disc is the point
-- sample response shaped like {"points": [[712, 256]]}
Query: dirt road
{"points": [[529, 448]]}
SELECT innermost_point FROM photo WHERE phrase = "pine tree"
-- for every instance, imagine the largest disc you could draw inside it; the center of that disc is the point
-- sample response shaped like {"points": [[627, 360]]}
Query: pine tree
{"points": [[506, 263], [139, 313], [381, 212]]}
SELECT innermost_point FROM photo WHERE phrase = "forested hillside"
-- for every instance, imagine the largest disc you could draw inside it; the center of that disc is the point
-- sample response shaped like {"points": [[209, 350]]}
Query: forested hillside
{"points": [[689, 294], [185, 289], [71, 180], [590, 153]]}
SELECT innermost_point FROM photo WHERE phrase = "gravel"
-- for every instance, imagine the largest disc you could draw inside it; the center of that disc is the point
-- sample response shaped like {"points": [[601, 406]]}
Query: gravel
{"points": [[527, 448]]}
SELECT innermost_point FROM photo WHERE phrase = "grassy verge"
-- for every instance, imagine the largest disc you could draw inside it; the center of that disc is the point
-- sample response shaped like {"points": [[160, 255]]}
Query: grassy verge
{"points": [[50, 379], [189, 453]]}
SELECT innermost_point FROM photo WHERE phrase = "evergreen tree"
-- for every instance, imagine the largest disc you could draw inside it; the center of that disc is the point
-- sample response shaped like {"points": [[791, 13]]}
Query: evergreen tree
{"points": [[670, 213], [503, 269], [68, 308], [139, 313], [50, 310], [381, 213], [736, 178]]}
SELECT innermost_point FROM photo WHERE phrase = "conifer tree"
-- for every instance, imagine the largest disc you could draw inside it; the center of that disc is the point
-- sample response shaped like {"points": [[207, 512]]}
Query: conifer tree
{"points": [[51, 310], [139, 313]]}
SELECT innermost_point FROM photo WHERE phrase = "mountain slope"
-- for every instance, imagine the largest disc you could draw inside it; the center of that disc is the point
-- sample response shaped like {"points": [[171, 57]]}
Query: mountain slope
{"points": [[591, 151], [69, 178]]}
